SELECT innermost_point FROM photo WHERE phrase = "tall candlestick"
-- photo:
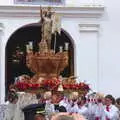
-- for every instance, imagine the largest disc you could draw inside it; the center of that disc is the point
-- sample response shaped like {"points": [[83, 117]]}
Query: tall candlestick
{"points": [[66, 46], [61, 49]]}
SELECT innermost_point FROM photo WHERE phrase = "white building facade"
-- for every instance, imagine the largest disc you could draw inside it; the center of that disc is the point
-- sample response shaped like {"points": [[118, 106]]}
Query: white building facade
{"points": [[94, 27]]}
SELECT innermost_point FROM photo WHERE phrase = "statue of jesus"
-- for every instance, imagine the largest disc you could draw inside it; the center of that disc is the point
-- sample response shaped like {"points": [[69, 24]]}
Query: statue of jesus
{"points": [[46, 23]]}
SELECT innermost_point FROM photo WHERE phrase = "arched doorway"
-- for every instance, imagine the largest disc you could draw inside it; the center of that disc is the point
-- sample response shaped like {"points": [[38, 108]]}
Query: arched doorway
{"points": [[15, 51]]}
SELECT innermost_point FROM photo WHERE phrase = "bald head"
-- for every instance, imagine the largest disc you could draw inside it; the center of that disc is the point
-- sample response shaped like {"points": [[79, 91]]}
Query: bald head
{"points": [[65, 117]]}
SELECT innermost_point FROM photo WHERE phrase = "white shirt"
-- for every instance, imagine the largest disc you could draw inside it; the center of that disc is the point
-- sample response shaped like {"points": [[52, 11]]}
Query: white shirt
{"points": [[83, 110], [99, 108], [74, 108], [112, 114], [63, 103], [49, 107], [66, 104], [91, 111]]}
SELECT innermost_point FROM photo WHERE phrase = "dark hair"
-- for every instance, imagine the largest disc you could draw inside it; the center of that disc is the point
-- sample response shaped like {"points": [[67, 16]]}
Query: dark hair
{"points": [[83, 98], [111, 98], [118, 101], [62, 109], [38, 96]]}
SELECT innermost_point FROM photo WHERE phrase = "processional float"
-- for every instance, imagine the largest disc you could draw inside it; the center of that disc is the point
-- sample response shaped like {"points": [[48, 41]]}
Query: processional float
{"points": [[47, 64]]}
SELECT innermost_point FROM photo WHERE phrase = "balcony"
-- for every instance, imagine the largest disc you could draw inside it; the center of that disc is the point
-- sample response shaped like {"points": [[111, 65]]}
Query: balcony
{"points": [[40, 2]]}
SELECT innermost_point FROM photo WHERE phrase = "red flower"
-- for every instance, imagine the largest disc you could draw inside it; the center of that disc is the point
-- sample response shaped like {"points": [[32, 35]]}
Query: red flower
{"points": [[22, 85], [52, 84], [80, 86]]}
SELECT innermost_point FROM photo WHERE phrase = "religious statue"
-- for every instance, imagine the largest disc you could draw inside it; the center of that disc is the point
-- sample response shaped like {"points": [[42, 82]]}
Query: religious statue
{"points": [[46, 63], [50, 23], [46, 23]]}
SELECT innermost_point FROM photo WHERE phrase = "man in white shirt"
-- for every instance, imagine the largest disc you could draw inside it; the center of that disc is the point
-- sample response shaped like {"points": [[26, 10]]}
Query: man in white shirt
{"points": [[110, 111], [82, 109]]}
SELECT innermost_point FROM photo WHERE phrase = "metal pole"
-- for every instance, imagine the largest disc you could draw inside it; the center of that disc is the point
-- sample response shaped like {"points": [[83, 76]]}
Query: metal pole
{"points": [[55, 42]]}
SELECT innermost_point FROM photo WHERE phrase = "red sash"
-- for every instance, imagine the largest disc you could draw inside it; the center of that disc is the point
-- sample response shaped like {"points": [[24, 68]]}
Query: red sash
{"points": [[107, 109], [97, 118]]}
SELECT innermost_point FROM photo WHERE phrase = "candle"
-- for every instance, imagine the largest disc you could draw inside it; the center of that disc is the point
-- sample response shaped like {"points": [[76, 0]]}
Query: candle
{"points": [[61, 48], [31, 45], [66, 46], [16, 80], [27, 49]]}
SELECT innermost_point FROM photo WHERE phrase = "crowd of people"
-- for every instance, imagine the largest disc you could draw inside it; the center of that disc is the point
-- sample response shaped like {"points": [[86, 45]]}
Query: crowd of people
{"points": [[90, 107]]}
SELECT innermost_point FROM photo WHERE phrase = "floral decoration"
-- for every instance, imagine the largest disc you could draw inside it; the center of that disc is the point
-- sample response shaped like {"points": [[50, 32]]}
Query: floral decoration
{"points": [[81, 86], [52, 85]]}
